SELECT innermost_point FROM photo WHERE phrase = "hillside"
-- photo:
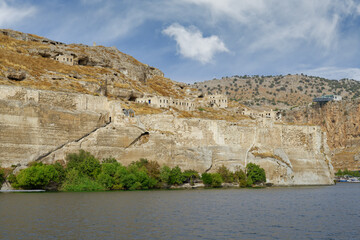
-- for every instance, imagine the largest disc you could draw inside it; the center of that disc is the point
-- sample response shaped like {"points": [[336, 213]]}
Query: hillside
{"points": [[281, 92], [30, 61]]}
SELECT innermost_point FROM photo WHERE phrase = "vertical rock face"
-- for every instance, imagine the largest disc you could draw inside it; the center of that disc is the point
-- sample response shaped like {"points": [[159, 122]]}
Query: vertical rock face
{"points": [[341, 121], [45, 126]]}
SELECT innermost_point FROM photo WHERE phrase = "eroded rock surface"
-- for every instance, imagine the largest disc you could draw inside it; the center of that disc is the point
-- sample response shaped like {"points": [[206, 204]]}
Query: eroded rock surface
{"points": [[45, 126], [341, 121]]}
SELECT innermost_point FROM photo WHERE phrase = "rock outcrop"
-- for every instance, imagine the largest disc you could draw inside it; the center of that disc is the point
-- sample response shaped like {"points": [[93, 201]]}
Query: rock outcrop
{"points": [[341, 121], [45, 126]]}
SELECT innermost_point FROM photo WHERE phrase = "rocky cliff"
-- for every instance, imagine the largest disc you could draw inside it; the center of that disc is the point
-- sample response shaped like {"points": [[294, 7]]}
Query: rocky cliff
{"points": [[341, 121], [38, 125], [49, 108]]}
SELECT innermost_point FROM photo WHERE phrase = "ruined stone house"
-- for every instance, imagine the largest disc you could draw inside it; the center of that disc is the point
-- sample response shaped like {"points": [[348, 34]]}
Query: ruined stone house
{"points": [[264, 114], [66, 58], [166, 102], [216, 100]]}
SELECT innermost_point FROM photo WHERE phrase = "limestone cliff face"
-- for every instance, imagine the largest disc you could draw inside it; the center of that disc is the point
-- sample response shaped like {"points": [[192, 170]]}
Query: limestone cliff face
{"points": [[45, 126], [341, 121]]}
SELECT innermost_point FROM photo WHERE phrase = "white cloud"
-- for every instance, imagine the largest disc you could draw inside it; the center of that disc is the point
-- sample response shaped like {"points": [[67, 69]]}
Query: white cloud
{"points": [[280, 24], [335, 73], [10, 15], [192, 44]]}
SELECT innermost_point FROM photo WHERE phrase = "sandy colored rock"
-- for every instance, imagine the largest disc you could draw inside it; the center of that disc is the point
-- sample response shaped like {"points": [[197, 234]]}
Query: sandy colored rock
{"points": [[46, 125]]}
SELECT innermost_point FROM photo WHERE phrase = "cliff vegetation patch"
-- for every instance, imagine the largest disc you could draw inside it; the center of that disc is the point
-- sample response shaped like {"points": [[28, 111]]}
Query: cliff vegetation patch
{"points": [[84, 172]]}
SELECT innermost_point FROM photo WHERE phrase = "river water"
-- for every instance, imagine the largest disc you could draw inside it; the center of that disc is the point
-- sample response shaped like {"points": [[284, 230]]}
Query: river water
{"points": [[331, 212]]}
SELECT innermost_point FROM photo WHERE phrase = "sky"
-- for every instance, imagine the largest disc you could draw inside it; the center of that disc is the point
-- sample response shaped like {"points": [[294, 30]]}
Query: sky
{"points": [[197, 40]]}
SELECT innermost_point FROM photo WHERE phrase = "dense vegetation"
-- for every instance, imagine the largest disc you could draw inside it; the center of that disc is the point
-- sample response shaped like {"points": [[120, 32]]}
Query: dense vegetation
{"points": [[341, 173], [84, 172], [2, 176]]}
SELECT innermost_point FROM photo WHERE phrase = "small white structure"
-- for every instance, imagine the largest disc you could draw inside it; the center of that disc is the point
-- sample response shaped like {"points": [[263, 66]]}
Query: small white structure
{"points": [[67, 59]]}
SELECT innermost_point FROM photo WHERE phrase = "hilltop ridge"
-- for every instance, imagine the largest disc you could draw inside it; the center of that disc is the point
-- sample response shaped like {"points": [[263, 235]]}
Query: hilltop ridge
{"points": [[283, 91], [30, 60]]}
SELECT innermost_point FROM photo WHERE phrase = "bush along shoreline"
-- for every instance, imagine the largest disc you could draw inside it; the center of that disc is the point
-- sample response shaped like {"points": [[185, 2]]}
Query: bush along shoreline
{"points": [[84, 172]]}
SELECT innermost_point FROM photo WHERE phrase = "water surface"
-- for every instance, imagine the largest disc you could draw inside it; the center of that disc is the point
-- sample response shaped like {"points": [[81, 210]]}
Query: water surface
{"points": [[331, 212]]}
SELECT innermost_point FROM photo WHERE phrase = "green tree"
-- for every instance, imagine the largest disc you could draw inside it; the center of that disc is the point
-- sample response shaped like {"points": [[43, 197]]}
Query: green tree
{"points": [[153, 169], [255, 173], [225, 174], [84, 162], [165, 174], [75, 181], [37, 176], [176, 176], [240, 177], [2, 176], [190, 176], [212, 179], [106, 177], [206, 178], [216, 180]]}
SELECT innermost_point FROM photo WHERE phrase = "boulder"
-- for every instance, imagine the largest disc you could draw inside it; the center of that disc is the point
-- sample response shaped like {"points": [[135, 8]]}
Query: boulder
{"points": [[17, 75]]}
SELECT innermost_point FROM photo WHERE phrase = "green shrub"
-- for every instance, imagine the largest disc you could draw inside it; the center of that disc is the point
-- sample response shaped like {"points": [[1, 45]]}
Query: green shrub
{"points": [[84, 162], [2, 176], [110, 168], [225, 174], [12, 179], [240, 177], [216, 180], [77, 182], [165, 174], [176, 176], [106, 180], [212, 179], [134, 177], [38, 176], [347, 172], [206, 178], [255, 173], [153, 169], [249, 182], [190, 176]]}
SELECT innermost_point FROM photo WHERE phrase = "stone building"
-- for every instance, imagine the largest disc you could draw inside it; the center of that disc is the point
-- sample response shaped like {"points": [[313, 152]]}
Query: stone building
{"points": [[217, 100], [67, 59], [263, 114], [166, 102]]}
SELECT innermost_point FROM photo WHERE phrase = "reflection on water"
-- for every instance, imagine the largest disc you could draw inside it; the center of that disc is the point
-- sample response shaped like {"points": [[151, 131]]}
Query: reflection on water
{"points": [[276, 213]]}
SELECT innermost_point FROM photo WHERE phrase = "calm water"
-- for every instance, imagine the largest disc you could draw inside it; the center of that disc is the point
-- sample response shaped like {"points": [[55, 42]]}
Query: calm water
{"points": [[275, 213]]}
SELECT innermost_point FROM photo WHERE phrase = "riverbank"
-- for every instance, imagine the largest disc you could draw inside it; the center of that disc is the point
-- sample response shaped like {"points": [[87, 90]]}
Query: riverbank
{"points": [[83, 172]]}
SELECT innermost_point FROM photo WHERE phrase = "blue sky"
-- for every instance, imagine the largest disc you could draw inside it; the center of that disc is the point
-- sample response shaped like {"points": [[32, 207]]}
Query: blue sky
{"points": [[196, 40]]}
